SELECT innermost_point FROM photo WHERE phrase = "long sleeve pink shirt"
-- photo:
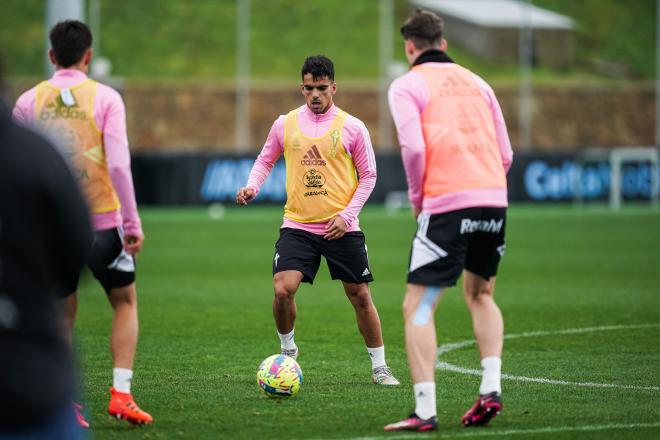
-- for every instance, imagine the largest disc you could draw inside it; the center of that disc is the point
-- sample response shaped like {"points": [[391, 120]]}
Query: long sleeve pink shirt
{"points": [[110, 117], [408, 96], [355, 139]]}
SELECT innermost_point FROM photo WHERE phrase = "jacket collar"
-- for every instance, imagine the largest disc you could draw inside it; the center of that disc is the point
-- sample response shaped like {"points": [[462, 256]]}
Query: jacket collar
{"points": [[432, 56]]}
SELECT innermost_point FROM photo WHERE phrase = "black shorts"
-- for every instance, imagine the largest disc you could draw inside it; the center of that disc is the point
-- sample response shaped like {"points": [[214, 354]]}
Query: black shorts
{"points": [[108, 261], [447, 243], [301, 250]]}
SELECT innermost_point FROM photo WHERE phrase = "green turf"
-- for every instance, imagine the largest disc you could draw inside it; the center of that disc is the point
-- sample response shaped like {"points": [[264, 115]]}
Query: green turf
{"points": [[205, 295], [180, 39]]}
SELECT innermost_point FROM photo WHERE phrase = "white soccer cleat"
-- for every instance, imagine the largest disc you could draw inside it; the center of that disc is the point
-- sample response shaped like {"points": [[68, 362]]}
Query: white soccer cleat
{"points": [[383, 376]]}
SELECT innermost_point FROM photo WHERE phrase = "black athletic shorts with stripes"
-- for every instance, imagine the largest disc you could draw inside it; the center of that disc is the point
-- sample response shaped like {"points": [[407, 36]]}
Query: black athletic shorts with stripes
{"points": [[301, 250], [447, 243], [110, 264]]}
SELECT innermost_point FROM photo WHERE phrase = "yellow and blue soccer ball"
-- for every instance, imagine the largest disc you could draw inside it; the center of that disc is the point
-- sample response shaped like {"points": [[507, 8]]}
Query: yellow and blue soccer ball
{"points": [[279, 376]]}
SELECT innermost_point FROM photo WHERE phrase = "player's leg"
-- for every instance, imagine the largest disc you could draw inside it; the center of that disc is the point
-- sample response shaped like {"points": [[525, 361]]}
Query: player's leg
{"points": [[486, 247], [68, 310], [365, 312], [368, 323], [124, 334], [296, 260], [436, 261], [115, 270], [487, 321], [285, 285]]}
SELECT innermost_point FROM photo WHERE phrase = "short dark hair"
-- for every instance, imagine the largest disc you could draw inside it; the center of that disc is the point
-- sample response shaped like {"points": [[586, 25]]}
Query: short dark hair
{"points": [[423, 28], [69, 40], [319, 66]]}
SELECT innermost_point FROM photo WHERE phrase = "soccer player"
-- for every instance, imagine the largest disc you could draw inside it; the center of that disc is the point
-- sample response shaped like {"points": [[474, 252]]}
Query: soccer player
{"points": [[88, 121], [456, 153], [323, 147]]}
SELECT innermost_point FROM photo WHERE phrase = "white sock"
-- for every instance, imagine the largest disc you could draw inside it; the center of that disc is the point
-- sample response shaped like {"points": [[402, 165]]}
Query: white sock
{"points": [[425, 399], [121, 379], [286, 341], [491, 380], [377, 356]]}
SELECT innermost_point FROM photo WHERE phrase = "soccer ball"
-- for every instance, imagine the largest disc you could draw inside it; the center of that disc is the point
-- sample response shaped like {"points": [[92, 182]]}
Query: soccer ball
{"points": [[279, 376]]}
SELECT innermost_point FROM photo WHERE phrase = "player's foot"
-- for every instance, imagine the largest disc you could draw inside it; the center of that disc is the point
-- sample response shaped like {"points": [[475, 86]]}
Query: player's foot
{"points": [[291, 352], [122, 406], [414, 423], [383, 376], [77, 409], [486, 407]]}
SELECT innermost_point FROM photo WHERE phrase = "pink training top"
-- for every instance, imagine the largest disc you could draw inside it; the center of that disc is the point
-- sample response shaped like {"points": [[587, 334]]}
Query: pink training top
{"points": [[110, 117], [408, 97], [355, 139]]}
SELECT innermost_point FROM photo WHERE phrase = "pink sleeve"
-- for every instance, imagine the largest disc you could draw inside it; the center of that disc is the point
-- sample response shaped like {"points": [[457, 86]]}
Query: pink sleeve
{"points": [[23, 111], [407, 98], [358, 143], [501, 133], [272, 150], [110, 116]]}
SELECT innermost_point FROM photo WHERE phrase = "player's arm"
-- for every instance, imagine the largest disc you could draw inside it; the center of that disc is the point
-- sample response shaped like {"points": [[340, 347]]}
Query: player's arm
{"points": [[362, 152], [118, 159], [263, 165], [23, 111], [407, 97]]}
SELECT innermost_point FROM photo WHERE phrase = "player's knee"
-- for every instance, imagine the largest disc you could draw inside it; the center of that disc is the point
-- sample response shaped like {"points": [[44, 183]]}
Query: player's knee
{"points": [[123, 296], [284, 291], [360, 297], [479, 295]]}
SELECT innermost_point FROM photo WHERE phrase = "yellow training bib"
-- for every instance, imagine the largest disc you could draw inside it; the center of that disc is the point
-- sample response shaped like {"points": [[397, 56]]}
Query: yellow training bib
{"points": [[68, 115], [320, 175]]}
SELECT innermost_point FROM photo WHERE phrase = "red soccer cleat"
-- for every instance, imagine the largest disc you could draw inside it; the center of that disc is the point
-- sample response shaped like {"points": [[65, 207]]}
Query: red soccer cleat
{"points": [[122, 406], [486, 407], [77, 409]]}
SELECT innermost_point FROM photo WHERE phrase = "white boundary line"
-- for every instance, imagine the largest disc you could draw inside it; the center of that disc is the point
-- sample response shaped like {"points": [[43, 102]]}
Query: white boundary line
{"points": [[446, 348], [487, 432]]}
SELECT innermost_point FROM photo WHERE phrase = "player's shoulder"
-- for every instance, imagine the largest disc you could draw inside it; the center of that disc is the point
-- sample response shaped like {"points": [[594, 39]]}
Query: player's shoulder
{"points": [[108, 93]]}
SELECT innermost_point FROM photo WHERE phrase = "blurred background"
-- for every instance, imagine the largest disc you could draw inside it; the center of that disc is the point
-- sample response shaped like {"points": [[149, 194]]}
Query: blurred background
{"points": [[203, 80]]}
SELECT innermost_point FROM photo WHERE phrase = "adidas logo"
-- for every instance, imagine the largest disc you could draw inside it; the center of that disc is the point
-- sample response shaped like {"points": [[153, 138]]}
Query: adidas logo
{"points": [[313, 157], [366, 272]]}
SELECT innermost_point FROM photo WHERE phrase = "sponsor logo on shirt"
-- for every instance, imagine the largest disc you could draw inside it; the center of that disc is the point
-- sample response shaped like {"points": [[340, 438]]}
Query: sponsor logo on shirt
{"points": [[313, 158], [57, 109]]}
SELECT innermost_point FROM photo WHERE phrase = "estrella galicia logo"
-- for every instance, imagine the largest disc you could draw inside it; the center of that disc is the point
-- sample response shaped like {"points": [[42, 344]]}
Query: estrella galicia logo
{"points": [[314, 179], [313, 158]]}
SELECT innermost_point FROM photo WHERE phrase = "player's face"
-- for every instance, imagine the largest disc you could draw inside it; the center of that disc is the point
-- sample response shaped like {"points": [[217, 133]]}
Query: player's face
{"points": [[318, 92]]}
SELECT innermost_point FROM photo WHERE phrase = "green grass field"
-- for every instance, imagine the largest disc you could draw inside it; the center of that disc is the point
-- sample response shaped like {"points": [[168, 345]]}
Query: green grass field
{"points": [[205, 309]]}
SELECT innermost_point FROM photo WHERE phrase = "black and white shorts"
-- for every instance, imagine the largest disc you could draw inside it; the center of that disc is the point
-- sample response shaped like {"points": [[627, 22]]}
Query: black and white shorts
{"points": [[110, 264], [447, 243], [301, 250]]}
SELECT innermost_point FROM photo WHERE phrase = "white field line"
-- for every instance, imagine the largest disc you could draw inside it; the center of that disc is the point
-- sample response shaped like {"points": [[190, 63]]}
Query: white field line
{"points": [[488, 432], [446, 348]]}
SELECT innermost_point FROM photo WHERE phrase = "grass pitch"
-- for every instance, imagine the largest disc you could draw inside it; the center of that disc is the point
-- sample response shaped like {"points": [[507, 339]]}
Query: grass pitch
{"points": [[205, 314]]}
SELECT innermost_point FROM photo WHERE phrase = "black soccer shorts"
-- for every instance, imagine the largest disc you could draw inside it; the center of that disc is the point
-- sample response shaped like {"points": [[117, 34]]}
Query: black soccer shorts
{"points": [[301, 250], [447, 243], [110, 264]]}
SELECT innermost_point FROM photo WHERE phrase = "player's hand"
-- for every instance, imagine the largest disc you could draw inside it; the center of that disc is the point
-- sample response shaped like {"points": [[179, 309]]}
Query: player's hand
{"points": [[416, 211], [245, 196], [133, 244], [335, 229]]}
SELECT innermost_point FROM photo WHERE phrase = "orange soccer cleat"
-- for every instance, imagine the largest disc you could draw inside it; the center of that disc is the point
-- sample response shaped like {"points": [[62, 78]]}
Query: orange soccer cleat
{"points": [[122, 406]]}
